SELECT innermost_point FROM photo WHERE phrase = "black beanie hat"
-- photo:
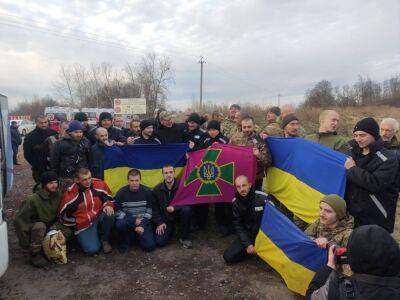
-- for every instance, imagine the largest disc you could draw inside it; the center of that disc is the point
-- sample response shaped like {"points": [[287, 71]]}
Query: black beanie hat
{"points": [[47, 177], [146, 123], [194, 117], [368, 125], [214, 124], [287, 119], [275, 109], [371, 250], [81, 117], [105, 115]]}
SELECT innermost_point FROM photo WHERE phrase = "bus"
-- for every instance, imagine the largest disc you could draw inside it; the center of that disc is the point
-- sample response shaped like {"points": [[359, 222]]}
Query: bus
{"points": [[6, 178]]}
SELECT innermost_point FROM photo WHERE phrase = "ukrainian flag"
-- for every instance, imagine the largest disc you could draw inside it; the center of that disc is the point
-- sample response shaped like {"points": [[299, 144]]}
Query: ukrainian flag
{"points": [[288, 250], [149, 159], [302, 173]]}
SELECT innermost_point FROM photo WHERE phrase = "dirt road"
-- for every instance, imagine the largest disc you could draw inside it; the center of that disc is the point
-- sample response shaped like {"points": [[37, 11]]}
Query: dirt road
{"points": [[168, 273]]}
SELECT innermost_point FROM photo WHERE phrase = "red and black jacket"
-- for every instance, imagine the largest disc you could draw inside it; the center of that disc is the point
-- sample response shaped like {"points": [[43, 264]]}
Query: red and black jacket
{"points": [[80, 207]]}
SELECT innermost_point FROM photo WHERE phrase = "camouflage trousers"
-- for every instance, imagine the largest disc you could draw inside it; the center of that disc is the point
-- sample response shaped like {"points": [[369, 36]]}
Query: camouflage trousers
{"points": [[38, 232]]}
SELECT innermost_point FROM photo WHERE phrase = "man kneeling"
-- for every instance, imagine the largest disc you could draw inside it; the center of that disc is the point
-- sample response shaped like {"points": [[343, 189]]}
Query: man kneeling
{"points": [[85, 206], [248, 209], [35, 215], [165, 216], [334, 224], [134, 212]]}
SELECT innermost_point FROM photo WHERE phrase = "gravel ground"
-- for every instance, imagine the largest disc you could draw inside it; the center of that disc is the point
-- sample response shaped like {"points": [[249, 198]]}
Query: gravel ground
{"points": [[168, 273]]}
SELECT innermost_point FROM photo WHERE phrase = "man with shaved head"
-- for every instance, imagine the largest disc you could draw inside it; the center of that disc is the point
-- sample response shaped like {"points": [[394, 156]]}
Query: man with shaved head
{"points": [[248, 208], [97, 153], [327, 135]]}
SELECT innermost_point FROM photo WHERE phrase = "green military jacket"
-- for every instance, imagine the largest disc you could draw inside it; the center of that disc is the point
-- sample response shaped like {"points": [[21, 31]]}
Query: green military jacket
{"points": [[273, 129], [339, 235], [254, 140], [331, 140], [38, 207], [393, 144], [227, 125]]}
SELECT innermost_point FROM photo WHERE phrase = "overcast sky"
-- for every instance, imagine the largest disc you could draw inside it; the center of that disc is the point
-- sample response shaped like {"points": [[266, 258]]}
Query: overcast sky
{"points": [[253, 49]]}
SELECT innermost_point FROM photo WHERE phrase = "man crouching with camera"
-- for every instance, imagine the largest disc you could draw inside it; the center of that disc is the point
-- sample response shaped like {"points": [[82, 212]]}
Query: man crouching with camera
{"points": [[374, 258]]}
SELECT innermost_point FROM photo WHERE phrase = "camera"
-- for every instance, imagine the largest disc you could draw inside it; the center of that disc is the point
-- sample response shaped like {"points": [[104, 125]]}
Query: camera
{"points": [[339, 252]]}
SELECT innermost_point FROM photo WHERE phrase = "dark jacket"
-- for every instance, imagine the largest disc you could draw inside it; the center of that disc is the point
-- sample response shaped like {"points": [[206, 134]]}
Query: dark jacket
{"points": [[374, 257], [208, 141], [16, 139], [88, 131], [162, 197], [97, 160], [196, 136], [170, 135], [153, 140], [371, 191], [33, 147], [114, 134], [247, 215], [68, 156]]}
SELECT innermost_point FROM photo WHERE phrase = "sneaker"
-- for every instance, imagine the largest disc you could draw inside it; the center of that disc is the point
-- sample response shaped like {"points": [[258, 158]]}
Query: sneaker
{"points": [[186, 244], [106, 247], [37, 260]]}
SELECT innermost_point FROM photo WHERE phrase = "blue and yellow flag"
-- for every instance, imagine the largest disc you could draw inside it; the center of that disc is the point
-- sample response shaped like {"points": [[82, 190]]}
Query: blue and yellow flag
{"points": [[288, 250], [302, 173], [149, 159]]}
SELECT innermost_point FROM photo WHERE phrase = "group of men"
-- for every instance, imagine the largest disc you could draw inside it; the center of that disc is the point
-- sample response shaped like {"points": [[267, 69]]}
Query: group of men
{"points": [[83, 203]]}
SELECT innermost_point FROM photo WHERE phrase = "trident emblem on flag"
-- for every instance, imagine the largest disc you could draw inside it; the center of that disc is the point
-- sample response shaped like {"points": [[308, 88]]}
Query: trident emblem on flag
{"points": [[210, 174]]}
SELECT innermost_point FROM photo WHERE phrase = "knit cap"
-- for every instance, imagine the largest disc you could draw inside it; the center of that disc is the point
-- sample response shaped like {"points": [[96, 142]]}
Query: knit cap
{"points": [[368, 125], [214, 124], [194, 117], [146, 123], [287, 119], [48, 177], [338, 205], [74, 125]]}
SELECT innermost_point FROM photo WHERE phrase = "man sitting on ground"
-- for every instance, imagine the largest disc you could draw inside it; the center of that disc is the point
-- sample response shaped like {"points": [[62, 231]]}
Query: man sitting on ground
{"points": [[35, 215], [327, 135], [147, 136], [334, 224], [166, 216], [133, 204], [87, 205], [248, 209]]}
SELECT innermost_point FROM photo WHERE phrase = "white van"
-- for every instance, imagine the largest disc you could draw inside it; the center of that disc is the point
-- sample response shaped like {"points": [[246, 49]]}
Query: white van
{"points": [[6, 178]]}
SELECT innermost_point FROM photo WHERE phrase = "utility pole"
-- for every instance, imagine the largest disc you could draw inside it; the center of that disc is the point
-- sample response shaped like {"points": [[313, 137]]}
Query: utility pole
{"points": [[201, 62], [279, 100]]}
